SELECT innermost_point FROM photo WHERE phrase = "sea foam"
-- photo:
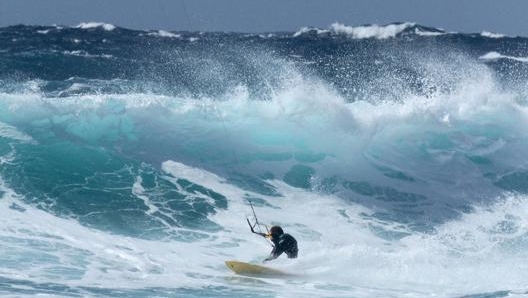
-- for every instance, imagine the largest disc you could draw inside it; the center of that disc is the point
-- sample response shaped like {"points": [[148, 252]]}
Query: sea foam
{"points": [[496, 56], [371, 31], [91, 25]]}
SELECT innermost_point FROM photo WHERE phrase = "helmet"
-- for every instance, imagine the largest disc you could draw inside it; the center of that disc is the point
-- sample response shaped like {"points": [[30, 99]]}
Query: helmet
{"points": [[276, 231]]}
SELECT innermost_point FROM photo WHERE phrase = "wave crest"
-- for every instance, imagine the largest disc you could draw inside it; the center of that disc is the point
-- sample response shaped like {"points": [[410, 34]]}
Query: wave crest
{"points": [[92, 25], [373, 31]]}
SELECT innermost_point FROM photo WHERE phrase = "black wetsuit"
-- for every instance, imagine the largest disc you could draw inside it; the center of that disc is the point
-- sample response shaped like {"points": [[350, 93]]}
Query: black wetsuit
{"points": [[284, 243]]}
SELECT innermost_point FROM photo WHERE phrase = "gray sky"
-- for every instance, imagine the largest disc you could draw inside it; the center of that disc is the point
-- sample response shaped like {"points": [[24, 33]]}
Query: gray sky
{"points": [[469, 16]]}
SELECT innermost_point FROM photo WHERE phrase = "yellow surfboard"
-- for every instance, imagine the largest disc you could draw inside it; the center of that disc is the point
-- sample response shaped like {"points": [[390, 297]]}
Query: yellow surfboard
{"points": [[254, 270]]}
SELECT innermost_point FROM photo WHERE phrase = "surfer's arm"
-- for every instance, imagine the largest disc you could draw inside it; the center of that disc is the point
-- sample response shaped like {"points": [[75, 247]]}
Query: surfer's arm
{"points": [[275, 253], [271, 257]]}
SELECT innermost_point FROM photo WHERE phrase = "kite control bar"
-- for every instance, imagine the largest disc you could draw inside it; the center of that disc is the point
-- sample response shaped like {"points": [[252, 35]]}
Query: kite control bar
{"points": [[252, 227], [253, 230]]}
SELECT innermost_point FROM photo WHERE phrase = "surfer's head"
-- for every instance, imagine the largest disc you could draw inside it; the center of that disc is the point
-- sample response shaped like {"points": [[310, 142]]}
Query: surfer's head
{"points": [[276, 231]]}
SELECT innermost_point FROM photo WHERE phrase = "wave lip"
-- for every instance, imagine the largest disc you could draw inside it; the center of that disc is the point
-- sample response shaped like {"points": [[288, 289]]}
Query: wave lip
{"points": [[92, 25], [493, 56]]}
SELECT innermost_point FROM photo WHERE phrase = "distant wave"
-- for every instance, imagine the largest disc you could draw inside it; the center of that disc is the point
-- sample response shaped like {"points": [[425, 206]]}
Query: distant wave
{"points": [[304, 30], [373, 31], [421, 32], [81, 53], [496, 56], [492, 35], [163, 33], [91, 25]]}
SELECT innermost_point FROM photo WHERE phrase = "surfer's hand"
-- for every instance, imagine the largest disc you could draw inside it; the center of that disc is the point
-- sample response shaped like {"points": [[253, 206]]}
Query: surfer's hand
{"points": [[272, 257]]}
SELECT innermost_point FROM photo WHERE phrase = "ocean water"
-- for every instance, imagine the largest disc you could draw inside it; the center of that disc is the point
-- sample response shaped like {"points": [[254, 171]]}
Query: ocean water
{"points": [[396, 155]]}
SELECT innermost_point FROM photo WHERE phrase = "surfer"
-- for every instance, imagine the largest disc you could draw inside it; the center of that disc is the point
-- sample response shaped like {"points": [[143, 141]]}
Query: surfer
{"points": [[282, 243]]}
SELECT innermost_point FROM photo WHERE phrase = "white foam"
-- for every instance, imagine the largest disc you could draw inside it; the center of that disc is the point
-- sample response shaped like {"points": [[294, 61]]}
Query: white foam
{"points": [[139, 191], [367, 31], [496, 56], [492, 35], [197, 176], [417, 31], [295, 212], [266, 36], [163, 33], [371, 31], [309, 29], [91, 25], [338, 249], [11, 132], [82, 53], [339, 254], [483, 248], [93, 257]]}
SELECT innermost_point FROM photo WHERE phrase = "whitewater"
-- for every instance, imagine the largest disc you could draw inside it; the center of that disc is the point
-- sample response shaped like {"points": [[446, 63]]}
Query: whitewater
{"points": [[395, 155]]}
